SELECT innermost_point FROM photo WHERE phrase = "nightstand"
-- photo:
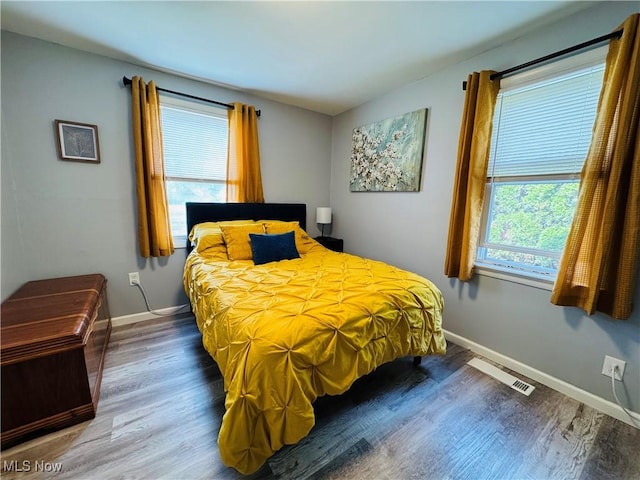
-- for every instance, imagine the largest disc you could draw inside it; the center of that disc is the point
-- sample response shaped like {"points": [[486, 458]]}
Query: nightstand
{"points": [[335, 244]]}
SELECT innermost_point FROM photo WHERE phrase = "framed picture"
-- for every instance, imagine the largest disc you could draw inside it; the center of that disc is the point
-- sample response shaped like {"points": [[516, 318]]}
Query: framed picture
{"points": [[386, 156], [77, 142]]}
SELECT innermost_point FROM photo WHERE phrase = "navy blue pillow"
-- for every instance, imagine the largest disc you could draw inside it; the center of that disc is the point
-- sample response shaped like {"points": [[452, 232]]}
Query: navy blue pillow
{"points": [[273, 247]]}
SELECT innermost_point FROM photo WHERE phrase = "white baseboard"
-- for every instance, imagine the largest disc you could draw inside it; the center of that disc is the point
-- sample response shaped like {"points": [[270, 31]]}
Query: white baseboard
{"points": [[142, 316], [605, 406]]}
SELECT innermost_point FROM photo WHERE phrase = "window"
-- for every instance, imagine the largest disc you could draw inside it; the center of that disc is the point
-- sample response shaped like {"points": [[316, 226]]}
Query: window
{"points": [[542, 129], [195, 157]]}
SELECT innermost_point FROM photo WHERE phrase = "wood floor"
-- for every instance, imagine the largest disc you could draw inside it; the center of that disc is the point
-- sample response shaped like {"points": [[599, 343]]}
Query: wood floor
{"points": [[162, 400]]}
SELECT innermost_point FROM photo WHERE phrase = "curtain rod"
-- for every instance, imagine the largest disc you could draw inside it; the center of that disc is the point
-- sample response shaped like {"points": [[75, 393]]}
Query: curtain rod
{"points": [[551, 56], [127, 81]]}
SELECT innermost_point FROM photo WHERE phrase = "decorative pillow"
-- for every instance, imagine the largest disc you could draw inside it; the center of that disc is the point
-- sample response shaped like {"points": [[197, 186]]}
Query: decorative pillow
{"points": [[206, 235], [273, 247], [209, 235], [279, 226], [237, 239], [303, 240]]}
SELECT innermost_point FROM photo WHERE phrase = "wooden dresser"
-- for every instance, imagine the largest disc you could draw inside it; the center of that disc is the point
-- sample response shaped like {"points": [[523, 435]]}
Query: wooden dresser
{"points": [[54, 338]]}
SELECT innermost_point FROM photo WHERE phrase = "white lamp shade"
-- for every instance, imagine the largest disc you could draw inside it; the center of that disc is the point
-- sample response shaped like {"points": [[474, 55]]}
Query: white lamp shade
{"points": [[323, 215]]}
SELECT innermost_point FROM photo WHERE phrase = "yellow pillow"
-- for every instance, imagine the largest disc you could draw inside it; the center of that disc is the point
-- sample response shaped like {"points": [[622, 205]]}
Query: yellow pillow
{"points": [[237, 239], [279, 226], [303, 240], [208, 234]]}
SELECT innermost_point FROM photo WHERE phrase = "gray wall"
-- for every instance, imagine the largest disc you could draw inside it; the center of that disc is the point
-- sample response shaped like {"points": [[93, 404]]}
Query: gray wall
{"points": [[410, 229], [65, 218]]}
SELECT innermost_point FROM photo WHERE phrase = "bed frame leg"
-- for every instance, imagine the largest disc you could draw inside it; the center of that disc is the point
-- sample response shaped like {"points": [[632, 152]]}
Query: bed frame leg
{"points": [[417, 361]]}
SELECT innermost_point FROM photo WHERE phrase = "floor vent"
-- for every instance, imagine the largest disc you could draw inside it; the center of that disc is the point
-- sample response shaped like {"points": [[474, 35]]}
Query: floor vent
{"points": [[502, 376]]}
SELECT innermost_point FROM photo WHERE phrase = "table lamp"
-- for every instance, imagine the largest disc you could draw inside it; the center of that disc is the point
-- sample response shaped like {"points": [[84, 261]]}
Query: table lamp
{"points": [[323, 217]]}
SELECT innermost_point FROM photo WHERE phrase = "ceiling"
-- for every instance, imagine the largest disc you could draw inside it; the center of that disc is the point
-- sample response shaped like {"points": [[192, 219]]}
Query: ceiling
{"points": [[323, 56]]}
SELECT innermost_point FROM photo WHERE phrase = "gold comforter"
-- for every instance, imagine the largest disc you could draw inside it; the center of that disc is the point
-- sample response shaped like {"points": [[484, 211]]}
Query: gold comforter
{"points": [[285, 333]]}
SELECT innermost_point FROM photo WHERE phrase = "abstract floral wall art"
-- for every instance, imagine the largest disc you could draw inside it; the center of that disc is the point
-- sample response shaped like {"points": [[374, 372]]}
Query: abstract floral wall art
{"points": [[387, 155]]}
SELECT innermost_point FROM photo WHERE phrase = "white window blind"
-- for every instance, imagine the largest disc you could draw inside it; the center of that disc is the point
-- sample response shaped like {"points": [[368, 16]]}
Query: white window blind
{"points": [[195, 144], [542, 130], [545, 128], [195, 157]]}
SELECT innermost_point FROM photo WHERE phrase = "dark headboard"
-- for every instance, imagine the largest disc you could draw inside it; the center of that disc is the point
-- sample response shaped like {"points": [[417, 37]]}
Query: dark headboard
{"points": [[215, 212]]}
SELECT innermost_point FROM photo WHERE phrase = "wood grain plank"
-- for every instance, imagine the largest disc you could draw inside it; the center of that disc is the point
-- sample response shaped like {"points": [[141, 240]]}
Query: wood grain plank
{"points": [[614, 453], [162, 402]]}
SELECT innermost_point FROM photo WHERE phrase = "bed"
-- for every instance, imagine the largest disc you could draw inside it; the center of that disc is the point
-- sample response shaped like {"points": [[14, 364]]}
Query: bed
{"points": [[286, 332]]}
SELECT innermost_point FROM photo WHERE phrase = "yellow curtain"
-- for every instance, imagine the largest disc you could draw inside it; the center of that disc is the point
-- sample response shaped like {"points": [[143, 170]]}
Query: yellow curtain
{"points": [[599, 264], [244, 180], [471, 174], [154, 229]]}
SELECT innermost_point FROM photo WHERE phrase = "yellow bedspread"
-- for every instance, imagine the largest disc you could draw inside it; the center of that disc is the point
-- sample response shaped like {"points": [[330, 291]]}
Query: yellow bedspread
{"points": [[285, 333]]}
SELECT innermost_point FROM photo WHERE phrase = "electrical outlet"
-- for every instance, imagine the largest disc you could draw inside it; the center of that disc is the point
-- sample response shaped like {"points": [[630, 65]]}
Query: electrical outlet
{"points": [[134, 278], [609, 363]]}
